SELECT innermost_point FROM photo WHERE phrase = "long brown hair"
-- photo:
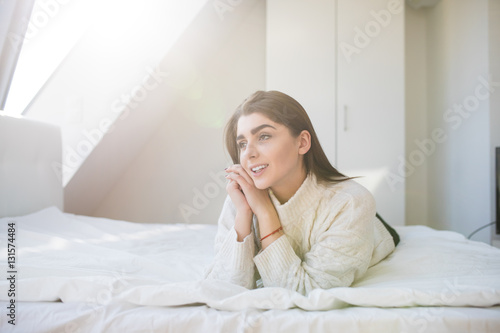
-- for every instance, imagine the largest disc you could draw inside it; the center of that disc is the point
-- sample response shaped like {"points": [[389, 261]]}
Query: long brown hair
{"points": [[285, 110]]}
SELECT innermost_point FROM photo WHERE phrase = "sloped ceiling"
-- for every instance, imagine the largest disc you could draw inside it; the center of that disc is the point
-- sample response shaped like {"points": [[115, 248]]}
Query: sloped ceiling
{"points": [[161, 89]]}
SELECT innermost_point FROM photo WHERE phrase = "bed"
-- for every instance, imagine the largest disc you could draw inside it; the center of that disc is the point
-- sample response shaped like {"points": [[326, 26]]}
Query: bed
{"points": [[73, 273]]}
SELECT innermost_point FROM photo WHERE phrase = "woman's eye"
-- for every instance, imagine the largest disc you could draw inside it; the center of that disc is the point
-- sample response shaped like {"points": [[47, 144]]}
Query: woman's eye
{"points": [[242, 144], [264, 137]]}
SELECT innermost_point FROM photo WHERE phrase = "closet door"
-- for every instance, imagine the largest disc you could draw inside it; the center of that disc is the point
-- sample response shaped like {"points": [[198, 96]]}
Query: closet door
{"points": [[370, 99]]}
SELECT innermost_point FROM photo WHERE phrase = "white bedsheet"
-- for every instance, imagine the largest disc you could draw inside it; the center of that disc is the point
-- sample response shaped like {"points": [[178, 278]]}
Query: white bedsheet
{"points": [[113, 264], [53, 317]]}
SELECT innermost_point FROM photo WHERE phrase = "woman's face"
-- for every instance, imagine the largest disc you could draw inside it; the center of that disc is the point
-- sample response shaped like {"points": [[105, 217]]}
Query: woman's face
{"points": [[270, 154]]}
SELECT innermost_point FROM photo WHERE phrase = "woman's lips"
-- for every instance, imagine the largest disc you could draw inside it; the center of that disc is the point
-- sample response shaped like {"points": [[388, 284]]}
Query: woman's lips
{"points": [[258, 170]]}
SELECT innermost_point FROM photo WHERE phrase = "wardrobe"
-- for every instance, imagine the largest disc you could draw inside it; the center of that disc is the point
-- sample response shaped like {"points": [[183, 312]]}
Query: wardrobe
{"points": [[343, 60]]}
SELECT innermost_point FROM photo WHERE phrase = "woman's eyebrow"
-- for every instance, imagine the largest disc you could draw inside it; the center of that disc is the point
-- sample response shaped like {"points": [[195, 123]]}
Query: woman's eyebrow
{"points": [[254, 130]]}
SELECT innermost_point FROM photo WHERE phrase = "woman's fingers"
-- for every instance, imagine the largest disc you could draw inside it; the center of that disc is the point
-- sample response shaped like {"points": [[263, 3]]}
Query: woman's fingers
{"points": [[237, 173], [258, 201], [239, 181], [237, 195], [235, 180]]}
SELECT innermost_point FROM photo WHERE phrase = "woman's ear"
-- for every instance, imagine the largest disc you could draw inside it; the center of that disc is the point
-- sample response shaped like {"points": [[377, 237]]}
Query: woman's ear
{"points": [[304, 142]]}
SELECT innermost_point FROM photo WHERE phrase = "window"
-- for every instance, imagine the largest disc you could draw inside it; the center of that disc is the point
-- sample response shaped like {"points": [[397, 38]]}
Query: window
{"points": [[81, 57]]}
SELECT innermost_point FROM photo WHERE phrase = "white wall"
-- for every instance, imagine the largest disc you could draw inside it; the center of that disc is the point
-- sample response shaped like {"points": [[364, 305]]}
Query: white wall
{"points": [[179, 174], [494, 62], [416, 112], [459, 184]]}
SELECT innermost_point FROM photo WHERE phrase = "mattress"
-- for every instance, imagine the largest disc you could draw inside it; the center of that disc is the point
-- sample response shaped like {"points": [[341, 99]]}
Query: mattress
{"points": [[83, 274]]}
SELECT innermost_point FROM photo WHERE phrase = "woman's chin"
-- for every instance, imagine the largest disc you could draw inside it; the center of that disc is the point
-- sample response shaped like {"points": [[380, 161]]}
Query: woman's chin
{"points": [[261, 185]]}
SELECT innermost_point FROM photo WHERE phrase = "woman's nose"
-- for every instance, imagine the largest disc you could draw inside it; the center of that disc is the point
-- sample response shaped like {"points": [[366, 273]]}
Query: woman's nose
{"points": [[250, 151]]}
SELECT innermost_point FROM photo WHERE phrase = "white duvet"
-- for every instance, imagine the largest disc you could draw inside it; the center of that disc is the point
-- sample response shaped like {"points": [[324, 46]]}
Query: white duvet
{"points": [[99, 261]]}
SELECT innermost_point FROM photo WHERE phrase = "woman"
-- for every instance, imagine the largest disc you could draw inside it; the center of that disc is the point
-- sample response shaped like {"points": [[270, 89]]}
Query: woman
{"points": [[291, 219]]}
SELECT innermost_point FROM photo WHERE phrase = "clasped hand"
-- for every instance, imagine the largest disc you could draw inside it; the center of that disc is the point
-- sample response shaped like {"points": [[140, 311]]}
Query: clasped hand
{"points": [[245, 196]]}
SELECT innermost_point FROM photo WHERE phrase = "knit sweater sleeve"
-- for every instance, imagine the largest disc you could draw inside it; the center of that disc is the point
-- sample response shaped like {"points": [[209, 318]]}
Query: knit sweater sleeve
{"points": [[233, 261], [341, 248]]}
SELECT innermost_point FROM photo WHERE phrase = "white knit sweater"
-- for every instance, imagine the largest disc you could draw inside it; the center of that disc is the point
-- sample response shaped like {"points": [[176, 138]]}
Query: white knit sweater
{"points": [[331, 237]]}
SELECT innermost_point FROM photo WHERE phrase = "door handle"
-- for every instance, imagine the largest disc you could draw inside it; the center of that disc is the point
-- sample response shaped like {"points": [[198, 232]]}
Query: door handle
{"points": [[345, 117]]}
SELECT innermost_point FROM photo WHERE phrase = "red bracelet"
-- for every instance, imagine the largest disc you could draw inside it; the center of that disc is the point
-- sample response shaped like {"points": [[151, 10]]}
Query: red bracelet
{"points": [[272, 233]]}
